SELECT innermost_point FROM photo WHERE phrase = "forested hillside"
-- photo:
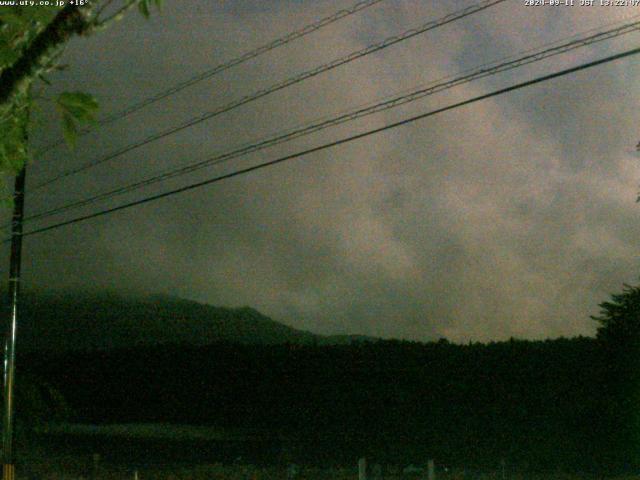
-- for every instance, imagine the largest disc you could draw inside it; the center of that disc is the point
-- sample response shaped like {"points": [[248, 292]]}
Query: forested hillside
{"points": [[91, 321], [539, 405]]}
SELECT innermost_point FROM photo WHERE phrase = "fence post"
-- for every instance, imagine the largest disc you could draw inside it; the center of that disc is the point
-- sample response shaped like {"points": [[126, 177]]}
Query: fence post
{"points": [[362, 469], [96, 464], [431, 470]]}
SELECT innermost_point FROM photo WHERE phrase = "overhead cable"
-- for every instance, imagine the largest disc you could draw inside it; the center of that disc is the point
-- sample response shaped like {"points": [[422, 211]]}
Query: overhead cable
{"points": [[477, 73], [452, 17], [335, 143], [288, 38]]}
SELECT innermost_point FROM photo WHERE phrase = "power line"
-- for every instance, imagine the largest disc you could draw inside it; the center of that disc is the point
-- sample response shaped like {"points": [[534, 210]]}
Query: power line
{"points": [[351, 116], [452, 17], [476, 73], [279, 42], [348, 139]]}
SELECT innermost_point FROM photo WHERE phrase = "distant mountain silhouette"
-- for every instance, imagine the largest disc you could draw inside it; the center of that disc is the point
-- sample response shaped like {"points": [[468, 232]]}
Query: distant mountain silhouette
{"points": [[99, 321]]}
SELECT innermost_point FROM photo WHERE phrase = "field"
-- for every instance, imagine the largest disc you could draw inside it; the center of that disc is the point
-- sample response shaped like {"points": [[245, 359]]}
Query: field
{"points": [[73, 469]]}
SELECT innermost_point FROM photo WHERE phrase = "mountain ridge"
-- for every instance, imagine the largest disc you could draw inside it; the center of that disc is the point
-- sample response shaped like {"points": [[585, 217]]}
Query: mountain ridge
{"points": [[73, 320]]}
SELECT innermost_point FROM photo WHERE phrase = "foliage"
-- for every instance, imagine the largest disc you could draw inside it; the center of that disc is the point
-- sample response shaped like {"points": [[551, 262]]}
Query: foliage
{"points": [[18, 27], [395, 402], [619, 337], [619, 318], [76, 107], [144, 6], [13, 125], [31, 41]]}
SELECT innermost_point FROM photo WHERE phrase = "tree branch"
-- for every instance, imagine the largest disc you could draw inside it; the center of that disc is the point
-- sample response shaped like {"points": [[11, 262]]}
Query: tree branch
{"points": [[71, 20]]}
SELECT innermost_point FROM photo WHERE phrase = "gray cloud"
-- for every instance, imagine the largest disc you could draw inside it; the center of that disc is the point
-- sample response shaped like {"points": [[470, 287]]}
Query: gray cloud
{"points": [[510, 217]]}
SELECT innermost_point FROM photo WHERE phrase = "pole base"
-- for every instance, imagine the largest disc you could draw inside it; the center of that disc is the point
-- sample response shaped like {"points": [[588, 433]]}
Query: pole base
{"points": [[8, 471]]}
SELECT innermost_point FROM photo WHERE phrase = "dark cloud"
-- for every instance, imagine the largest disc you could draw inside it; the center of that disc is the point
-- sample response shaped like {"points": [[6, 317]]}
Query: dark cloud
{"points": [[511, 217]]}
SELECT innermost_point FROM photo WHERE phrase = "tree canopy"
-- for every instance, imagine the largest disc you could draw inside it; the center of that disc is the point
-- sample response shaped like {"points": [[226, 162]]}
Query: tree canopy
{"points": [[619, 318]]}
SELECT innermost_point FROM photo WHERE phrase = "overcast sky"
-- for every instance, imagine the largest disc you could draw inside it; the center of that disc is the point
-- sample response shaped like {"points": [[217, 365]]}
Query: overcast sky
{"points": [[514, 216]]}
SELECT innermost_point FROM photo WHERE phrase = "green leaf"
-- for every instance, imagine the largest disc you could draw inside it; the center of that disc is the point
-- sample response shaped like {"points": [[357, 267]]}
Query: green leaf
{"points": [[82, 107], [13, 122], [69, 130], [159, 4], [143, 6], [6, 200], [12, 19], [79, 100], [4, 157], [7, 55], [42, 15], [13, 156]]}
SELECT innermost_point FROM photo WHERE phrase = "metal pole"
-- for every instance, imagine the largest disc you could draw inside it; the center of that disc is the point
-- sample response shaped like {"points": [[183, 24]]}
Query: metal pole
{"points": [[8, 470]]}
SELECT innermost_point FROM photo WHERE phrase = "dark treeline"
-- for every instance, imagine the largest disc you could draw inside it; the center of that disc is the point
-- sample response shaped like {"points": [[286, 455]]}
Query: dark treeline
{"points": [[556, 404]]}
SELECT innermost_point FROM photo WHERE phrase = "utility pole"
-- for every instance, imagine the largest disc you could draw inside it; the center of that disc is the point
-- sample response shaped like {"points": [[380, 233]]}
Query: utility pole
{"points": [[8, 461]]}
